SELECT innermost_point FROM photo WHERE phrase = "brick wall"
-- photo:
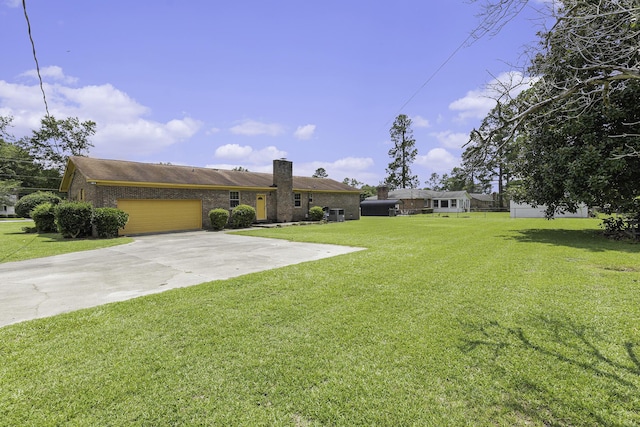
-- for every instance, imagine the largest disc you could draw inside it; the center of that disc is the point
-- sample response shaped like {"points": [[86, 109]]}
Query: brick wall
{"points": [[283, 180]]}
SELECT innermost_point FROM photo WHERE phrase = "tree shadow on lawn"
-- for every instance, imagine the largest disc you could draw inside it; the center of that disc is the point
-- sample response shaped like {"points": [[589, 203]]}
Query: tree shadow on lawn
{"points": [[582, 239], [553, 371]]}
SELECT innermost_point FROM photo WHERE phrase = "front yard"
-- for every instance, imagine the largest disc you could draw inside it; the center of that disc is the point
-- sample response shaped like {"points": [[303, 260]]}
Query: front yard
{"points": [[461, 320]]}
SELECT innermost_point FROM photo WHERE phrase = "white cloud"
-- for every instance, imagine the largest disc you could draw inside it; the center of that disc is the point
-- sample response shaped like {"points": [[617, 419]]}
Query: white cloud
{"points": [[438, 160], [13, 3], [420, 122], [233, 151], [248, 155], [348, 167], [141, 137], [452, 139], [105, 102], [52, 72], [121, 125], [477, 103], [253, 128], [304, 132]]}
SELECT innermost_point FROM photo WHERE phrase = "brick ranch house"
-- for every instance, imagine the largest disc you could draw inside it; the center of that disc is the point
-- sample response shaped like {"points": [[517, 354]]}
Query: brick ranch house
{"points": [[160, 198], [413, 200]]}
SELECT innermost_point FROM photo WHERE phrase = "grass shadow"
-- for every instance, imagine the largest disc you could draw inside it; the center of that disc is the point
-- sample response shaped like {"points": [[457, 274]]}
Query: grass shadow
{"points": [[591, 365], [590, 240]]}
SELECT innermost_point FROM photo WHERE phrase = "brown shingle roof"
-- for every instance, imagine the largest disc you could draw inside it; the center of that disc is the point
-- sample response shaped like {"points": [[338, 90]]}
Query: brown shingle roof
{"points": [[136, 174]]}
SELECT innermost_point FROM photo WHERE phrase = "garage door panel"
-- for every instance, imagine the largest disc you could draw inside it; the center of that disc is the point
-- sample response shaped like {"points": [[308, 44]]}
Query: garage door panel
{"points": [[153, 216]]}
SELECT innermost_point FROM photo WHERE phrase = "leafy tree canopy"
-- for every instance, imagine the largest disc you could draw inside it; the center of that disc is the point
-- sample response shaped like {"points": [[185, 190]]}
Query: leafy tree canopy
{"points": [[574, 135], [56, 140]]}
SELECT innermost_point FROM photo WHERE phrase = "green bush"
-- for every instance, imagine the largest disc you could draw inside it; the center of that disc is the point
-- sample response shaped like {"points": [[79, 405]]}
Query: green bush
{"points": [[316, 213], [219, 218], [108, 221], [74, 219], [242, 216], [25, 205], [427, 210], [44, 218]]}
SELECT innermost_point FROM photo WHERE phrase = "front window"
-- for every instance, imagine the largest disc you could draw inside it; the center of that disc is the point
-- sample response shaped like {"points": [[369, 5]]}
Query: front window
{"points": [[454, 203], [234, 199], [435, 204], [444, 203], [297, 200]]}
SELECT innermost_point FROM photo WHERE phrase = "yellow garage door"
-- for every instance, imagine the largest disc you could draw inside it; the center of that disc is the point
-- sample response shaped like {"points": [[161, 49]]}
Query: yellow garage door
{"points": [[154, 216]]}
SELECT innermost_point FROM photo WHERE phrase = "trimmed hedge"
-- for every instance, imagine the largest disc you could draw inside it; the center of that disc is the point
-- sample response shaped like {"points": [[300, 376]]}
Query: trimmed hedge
{"points": [[219, 218], [74, 219], [107, 221], [27, 203], [316, 213], [242, 216], [44, 218]]}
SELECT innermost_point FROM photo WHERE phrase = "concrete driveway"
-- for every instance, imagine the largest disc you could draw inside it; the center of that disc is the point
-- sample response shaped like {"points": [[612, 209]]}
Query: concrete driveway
{"points": [[53, 285]]}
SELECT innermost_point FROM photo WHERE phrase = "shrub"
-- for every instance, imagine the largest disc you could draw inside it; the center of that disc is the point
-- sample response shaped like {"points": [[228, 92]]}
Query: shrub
{"points": [[74, 219], [44, 217], [219, 218], [242, 216], [25, 205], [316, 213], [107, 221], [427, 210]]}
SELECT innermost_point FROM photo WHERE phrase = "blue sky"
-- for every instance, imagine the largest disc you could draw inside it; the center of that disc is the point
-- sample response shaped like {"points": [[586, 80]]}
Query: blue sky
{"points": [[225, 84]]}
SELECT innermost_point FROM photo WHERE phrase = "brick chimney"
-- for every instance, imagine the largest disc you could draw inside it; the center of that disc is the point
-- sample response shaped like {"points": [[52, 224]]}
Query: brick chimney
{"points": [[283, 181], [383, 192]]}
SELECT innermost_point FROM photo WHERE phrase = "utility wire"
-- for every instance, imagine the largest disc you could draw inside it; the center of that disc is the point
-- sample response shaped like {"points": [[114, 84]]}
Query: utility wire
{"points": [[482, 29], [35, 57]]}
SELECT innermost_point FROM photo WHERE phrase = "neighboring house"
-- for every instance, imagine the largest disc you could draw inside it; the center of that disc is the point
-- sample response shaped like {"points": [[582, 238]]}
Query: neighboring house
{"points": [[412, 200], [524, 210], [161, 197], [450, 201], [8, 209], [481, 201], [389, 207]]}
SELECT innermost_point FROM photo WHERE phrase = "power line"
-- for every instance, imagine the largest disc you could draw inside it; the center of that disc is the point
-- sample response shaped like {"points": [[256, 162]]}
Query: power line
{"points": [[43, 178], [35, 57], [481, 29]]}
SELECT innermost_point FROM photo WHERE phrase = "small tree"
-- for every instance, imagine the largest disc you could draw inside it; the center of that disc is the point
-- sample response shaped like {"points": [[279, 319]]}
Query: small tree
{"points": [[320, 173], [402, 154]]}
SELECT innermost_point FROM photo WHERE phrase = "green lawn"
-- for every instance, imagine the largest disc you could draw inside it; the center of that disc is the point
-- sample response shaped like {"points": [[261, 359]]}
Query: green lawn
{"points": [[17, 245], [475, 320]]}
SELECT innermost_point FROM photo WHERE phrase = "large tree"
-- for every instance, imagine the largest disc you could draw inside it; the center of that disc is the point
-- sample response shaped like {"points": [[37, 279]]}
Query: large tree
{"points": [[576, 130], [37, 162], [582, 158], [403, 154], [592, 45], [56, 140], [491, 153]]}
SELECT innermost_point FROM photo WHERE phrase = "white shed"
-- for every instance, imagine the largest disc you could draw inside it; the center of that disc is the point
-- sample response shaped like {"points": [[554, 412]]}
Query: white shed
{"points": [[524, 210]]}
